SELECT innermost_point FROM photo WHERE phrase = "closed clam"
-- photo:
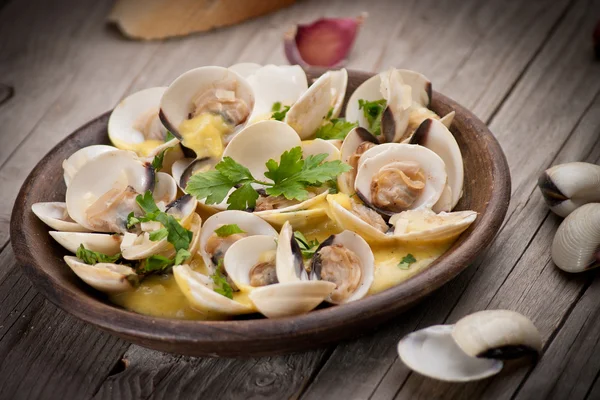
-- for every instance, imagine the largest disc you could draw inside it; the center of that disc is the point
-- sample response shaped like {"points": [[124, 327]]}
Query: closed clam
{"points": [[576, 245], [566, 187], [472, 348]]}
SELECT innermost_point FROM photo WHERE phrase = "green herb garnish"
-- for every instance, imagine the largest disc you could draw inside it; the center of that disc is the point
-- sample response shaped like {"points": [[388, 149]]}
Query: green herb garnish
{"points": [[279, 112], [169, 136], [93, 257], [158, 263], [157, 162], [289, 178], [220, 282], [373, 111], [308, 247], [406, 261], [228, 230], [337, 128]]}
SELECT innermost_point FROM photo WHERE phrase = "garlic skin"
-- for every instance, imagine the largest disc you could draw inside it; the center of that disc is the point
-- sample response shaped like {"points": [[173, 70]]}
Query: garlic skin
{"points": [[324, 43]]}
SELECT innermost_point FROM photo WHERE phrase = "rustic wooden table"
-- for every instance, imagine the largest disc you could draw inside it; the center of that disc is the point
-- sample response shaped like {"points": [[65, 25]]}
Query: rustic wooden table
{"points": [[524, 67]]}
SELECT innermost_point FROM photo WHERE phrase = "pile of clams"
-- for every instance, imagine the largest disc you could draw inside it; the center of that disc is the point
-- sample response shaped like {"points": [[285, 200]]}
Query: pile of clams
{"points": [[134, 210], [572, 190]]}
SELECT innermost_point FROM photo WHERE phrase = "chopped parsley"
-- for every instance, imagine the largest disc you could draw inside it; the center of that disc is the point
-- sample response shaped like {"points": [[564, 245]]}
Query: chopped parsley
{"points": [[169, 136], [157, 162], [337, 128], [220, 284], [289, 178], [228, 230], [373, 111], [94, 257], [406, 261], [278, 111], [308, 247]]}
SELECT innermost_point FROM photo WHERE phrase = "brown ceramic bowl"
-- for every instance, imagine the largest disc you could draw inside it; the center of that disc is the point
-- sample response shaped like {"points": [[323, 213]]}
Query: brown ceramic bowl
{"points": [[486, 190]]}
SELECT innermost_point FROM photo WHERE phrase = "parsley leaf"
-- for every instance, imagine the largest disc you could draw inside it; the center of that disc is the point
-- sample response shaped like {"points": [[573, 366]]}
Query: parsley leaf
{"points": [[337, 128], [228, 230], [329, 114], [290, 178], [220, 284], [177, 235], [156, 263], [159, 234], [279, 112], [212, 185], [373, 111], [169, 136], [307, 247], [406, 261], [157, 162], [132, 220], [146, 203], [181, 256], [93, 257]]}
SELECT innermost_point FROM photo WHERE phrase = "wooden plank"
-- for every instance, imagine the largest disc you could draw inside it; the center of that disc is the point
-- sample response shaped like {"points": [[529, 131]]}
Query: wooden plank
{"points": [[45, 351]]}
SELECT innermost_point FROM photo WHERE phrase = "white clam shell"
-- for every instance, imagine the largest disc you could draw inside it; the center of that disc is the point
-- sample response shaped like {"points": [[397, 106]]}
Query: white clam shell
{"points": [[289, 261], [105, 277], [394, 120], [576, 245], [379, 156], [271, 84], [341, 214], [258, 143], [435, 136], [568, 186], [360, 247], [448, 119], [78, 159], [320, 146], [245, 69], [421, 89], [176, 102], [434, 353], [339, 83], [121, 124], [497, 334], [354, 139], [426, 226], [165, 189], [307, 114], [101, 242], [245, 254], [248, 222], [198, 290], [100, 175], [55, 215]]}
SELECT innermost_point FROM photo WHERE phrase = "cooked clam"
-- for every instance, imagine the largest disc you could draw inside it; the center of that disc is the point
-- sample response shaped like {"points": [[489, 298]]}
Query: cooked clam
{"points": [[568, 186], [134, 123], [251, 265], [78, 159], [354, 145], [105, 277], [55, 215], [346, 260], [101, 242], [103, 192], [435, 136], [396, 177], [424, 225], [471, 349], [576, 245], [214, 247]]}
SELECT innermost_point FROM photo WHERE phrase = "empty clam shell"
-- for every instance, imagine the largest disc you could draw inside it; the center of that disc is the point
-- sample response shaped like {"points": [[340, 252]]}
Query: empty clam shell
{"points": [[576, 245], [100, 242], [55, 215], [472, 348], [307, 114], [78, 159], [568, 186], [105, 277], [426, 226]]}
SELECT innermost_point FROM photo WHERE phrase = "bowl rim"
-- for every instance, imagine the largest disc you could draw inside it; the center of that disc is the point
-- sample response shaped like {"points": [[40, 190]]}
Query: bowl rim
{"points": [[212, 338]]}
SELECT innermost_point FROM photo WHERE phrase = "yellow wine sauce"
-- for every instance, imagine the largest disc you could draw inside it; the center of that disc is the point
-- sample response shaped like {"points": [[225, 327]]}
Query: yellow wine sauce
{"points": [[142, 149], [204, 134]]}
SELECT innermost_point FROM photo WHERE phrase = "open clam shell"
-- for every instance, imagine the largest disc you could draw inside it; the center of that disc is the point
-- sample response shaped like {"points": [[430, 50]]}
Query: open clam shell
{"points": [[55, 215], [424, 225], [374, 160], [346, 260], [272, 84], [435, 136], [356, 142], [134, 123], [471, 349], [78, 159], [177, 103], [568, 186], [118, 172], [213, 248], [320, 146], [576, 245], [105, 277], [165, 189], [101, 242], [199, 291], [245, 69]]}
